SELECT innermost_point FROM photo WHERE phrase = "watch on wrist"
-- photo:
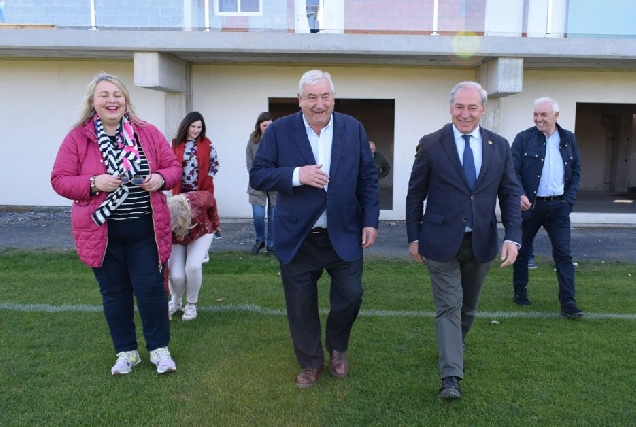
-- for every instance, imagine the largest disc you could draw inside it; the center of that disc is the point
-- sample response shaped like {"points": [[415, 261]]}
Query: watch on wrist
{"points": [[94, 189]]}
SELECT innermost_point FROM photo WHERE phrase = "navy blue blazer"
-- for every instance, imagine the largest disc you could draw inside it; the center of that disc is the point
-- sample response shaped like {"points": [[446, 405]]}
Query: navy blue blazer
{"points": [[351, 199], [438, 177]]}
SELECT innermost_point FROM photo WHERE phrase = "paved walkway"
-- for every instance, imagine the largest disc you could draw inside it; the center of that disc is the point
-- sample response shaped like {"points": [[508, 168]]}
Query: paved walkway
{"points": [[49, 228]]}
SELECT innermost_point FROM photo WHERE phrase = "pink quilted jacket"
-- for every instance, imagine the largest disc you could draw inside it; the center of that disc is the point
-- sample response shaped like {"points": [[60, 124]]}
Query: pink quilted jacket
{"points": [[79, 158]]}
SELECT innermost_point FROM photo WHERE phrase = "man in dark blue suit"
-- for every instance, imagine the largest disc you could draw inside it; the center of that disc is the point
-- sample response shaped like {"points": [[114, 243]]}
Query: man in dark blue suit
{"points": [[460, 171], [327, 212]]}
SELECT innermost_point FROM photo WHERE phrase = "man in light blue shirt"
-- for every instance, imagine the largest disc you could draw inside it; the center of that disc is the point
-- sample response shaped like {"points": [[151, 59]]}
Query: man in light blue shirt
{"points": [[548, 167]]}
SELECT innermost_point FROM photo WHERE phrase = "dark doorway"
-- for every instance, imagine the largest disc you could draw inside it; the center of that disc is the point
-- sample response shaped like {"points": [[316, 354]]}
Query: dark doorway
{"points": [[377, 117], [605, 133]]}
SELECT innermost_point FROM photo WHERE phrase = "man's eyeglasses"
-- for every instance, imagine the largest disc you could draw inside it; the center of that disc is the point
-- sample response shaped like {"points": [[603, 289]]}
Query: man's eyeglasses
{"points": [[135, 180]]}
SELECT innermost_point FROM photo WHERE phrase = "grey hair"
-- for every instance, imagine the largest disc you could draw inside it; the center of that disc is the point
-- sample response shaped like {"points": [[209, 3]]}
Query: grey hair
{"points": [[180, 215], [86, 106], [553, 103], [469, 85], [311, 77]]}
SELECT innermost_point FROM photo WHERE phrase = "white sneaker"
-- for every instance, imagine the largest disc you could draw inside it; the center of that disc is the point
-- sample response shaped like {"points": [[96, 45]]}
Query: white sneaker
{"points": [[125, 362], [173, 307], [189, 312], [160, 357], [206, 258]]}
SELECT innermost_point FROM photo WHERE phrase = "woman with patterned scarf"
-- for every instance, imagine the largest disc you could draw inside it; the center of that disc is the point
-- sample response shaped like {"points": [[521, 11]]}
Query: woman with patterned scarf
{"points": [[196, 154], [114, 167]]}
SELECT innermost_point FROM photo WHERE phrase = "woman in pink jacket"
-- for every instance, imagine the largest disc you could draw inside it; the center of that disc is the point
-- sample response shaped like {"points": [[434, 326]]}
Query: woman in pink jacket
{"points": [[194, 220], [114, 167]]}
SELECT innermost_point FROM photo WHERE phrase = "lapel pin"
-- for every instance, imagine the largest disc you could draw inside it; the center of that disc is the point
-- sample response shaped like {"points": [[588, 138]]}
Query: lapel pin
{"points": [[489, 142]]}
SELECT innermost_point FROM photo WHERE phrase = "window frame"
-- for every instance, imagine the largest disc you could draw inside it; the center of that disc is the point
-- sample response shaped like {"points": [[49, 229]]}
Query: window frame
{"points": [[238, 12]]}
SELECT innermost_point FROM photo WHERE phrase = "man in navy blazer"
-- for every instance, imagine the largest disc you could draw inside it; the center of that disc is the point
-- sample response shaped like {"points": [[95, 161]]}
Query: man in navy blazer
{"points": [[460, 171], [327, 212]]}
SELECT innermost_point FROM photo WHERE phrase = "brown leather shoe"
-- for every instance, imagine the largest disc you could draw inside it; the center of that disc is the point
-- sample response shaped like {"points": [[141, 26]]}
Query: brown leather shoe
{"points": [[338, 364], [308, 377]]}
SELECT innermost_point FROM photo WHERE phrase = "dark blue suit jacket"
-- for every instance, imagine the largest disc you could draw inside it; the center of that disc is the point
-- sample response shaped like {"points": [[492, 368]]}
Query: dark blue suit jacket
{"points": [[351, 199], [438, 178]]}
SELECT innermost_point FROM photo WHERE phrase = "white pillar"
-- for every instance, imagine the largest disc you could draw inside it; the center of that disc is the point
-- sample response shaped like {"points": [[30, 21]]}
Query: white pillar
{"points": [[547, 18]]}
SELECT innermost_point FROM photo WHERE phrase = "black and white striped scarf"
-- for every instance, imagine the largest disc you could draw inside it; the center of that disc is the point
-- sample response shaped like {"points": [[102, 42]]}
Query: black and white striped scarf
{"points": [[122, 162]]}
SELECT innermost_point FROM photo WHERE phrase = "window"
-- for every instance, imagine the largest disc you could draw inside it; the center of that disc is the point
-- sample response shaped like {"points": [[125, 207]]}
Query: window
{"points": [[592, 18], [239, 7]]}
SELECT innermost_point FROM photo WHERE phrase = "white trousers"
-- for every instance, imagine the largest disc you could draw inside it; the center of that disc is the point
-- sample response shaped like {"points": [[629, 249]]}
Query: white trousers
{"points": [[185, 267]]}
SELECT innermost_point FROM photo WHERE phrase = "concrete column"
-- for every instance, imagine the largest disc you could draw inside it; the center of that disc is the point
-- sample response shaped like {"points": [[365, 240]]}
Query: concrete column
{"points": [[504, 18], [176, 108], [160, 71], [501, 76], [491, 119], [168, 74]]}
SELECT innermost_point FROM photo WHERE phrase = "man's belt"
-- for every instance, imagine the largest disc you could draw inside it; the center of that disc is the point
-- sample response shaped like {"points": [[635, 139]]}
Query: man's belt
{"points": [[548, 198]]}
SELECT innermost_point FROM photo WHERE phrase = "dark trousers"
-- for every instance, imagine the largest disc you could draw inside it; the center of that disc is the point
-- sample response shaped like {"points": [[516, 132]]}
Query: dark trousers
{"points": [[300, 279], [554, 216], [456, 288], [131, 268]]}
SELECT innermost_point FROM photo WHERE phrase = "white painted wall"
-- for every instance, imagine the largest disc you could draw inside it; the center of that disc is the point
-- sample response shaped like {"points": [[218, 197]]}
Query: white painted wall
{"points": [[40, 102]]}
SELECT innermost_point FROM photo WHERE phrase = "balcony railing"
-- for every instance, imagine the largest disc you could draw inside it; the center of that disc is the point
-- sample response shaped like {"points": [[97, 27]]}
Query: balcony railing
{"points": [[512, 18]]}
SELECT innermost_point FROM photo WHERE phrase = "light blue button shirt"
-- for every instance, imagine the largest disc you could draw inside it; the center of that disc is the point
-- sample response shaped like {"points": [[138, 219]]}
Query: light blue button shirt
{"points": [[551, 183]]}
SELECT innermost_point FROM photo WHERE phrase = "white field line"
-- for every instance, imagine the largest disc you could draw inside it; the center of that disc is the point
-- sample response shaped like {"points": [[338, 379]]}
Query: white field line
{"points": [[47, 308]]}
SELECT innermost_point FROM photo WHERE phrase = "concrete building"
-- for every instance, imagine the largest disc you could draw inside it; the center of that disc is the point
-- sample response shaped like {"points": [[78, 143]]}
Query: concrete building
{"points": [[393, 63]]}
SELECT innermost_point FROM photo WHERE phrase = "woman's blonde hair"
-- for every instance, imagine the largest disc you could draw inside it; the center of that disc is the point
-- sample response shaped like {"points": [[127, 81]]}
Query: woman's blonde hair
{"points": [[86, 106], [180, 215]]}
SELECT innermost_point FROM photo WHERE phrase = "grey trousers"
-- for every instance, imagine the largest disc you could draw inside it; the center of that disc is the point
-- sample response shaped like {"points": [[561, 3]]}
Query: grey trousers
{"points": [[456, 287]]}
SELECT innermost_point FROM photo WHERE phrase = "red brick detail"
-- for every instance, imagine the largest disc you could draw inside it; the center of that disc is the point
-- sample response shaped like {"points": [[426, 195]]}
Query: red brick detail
{"points": [[235, 23]]}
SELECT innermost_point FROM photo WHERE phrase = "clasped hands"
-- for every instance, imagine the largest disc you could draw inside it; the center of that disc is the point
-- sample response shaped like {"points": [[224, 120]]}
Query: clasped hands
{"points": [[108, 183], [314, 176]]}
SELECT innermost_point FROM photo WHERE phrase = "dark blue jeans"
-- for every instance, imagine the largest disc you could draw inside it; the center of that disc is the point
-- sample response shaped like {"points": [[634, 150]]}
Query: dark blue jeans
{"points": [[554, 216], [131, 268], [258, 213]]}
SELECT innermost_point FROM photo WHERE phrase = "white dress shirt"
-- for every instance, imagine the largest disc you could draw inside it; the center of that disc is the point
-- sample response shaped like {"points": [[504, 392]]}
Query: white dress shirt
{"points": [[321, 147]]}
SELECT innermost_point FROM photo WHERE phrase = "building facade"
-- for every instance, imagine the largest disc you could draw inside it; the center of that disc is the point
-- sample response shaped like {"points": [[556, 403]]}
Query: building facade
{"points": [[393, 63]]}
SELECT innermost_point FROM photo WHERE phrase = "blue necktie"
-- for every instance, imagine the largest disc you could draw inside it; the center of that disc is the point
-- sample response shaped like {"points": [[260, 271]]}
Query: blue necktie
{"points": [[469, 163], [470, 172]]}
